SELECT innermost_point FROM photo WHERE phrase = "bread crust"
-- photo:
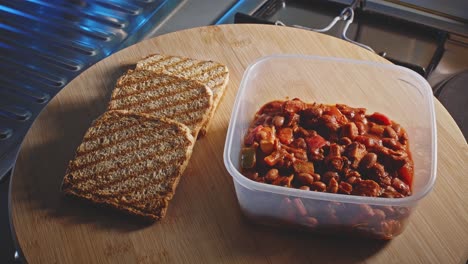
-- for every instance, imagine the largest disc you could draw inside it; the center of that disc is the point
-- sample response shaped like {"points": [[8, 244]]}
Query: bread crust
{"points": [[119, 202], [218, 90]]}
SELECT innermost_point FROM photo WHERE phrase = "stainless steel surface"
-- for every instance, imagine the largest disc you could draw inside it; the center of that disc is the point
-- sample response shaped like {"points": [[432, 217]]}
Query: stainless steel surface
{"points": [[454, 60], [411, 44], [243, 6], [418, 16], [457, 9], [45, 44], [194, 13], [346, 15]]}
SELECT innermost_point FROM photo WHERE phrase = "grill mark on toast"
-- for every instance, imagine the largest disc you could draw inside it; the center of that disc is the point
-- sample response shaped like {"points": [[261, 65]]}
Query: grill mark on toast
{"points": [[150, 99], [108, 186], [196, 75], [193, 110], [165, 82], [115, 155], [178, 72], [103, 133], [196, 64], [110, 144], [161, 165], [114, 169], [206, 79]]}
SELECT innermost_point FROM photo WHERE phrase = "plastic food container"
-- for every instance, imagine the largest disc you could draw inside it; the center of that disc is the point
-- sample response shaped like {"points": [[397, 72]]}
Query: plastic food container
{"points": [[399, 93]]}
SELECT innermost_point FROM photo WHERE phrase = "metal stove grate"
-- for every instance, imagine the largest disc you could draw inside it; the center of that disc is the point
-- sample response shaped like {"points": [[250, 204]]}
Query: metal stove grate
{"points": [[44, 44]]}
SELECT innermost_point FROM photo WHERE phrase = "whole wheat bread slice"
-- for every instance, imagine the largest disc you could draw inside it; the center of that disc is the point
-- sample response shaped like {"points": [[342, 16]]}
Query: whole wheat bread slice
{"points": [[131, 162], [183, 100], [213, 74]]}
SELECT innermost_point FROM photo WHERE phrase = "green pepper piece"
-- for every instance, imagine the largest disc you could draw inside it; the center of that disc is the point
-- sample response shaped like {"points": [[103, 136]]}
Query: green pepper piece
{"points": [[248, 158]]}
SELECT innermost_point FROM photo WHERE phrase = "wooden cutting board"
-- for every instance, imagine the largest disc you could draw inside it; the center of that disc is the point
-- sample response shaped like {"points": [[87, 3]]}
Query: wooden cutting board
{"points": [[204, 223]]}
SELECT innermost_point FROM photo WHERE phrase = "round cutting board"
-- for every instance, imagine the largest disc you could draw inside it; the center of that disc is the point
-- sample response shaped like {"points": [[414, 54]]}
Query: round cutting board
{"points": [[204, 223]]}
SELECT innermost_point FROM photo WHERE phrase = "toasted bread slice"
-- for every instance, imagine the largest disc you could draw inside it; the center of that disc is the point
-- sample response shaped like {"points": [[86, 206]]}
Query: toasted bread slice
{"points": [[213, 74], [131, 162], [186, 101]]}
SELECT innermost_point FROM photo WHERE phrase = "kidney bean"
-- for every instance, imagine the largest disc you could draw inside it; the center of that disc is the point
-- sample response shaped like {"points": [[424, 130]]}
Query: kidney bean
{"points": [[352, 173], [305, 178], [392, 143], [345, 141], [390, 228], [283, 181], [300, 143], [291, 120], [293, 106], [278, 121], [317, 177], [251, 175], [305, 188], [332, 186], [366, 188], [313, 112], [300, 209], [368, 160], [287, 210], [379, 215], [388, 210], [345, 188], [310, 221], [369, 142], [390, 133], [404, 138], [362, 128], [377, 172], [365, 210], [330, 122], [318, 186], [402, 212], [272, 175], [271, 107], [327, 176], [400, 186], [397, 128]]}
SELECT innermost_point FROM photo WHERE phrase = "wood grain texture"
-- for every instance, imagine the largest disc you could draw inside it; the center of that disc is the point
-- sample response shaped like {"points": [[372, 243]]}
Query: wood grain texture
{"points": [[204, 223]]}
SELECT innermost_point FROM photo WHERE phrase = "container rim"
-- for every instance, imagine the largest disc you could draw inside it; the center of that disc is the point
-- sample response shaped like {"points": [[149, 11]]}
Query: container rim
{"points": [[253, 185]]}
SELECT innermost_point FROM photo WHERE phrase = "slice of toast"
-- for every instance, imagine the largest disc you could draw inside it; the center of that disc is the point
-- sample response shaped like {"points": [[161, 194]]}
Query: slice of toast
{"points": [[213, 74], [186, 101], [131, 162]]}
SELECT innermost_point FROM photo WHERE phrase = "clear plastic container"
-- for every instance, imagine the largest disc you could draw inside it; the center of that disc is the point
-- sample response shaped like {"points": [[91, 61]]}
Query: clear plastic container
{"points": [[399, 93]]}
